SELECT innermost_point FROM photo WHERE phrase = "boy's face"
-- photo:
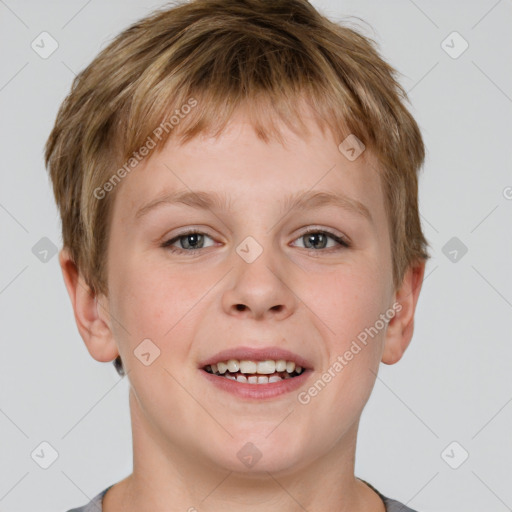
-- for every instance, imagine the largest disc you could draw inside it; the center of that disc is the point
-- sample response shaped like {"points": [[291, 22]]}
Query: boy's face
{"points": [[255, 281]]}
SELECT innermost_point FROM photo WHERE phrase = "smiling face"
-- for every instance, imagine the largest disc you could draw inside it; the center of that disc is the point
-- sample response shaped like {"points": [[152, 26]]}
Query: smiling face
{"points": [[260, 273]]}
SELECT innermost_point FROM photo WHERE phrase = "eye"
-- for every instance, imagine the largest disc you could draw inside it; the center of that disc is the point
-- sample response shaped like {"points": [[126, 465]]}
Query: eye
{"points": [[318, 239], [190, 241], [193, 241]]}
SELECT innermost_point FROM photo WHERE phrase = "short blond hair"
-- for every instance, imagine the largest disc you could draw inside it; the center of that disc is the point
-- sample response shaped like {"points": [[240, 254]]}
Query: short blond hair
{"points": [[217, 56]]}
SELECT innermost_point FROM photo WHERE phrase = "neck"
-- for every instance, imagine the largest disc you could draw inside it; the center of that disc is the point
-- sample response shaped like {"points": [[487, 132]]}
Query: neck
{"points": [[167, 475]]}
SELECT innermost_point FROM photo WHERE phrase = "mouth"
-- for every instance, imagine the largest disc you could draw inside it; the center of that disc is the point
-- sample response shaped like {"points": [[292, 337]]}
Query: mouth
{"points": [[256, 373]]}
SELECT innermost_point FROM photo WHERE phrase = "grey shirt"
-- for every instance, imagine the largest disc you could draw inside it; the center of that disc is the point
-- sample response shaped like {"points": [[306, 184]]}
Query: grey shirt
{"points": [[95, 505]]}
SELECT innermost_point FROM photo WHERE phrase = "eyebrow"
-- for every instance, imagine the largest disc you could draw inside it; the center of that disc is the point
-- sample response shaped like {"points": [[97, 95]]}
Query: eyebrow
{"points": [[302, 200]]}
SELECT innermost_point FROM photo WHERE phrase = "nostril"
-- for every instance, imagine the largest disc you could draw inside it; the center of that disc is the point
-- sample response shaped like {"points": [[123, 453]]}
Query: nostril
{"points": [[240, 307]]}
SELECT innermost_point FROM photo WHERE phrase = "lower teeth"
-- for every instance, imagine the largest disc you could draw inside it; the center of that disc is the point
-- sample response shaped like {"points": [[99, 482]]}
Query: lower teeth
{"points": [[257, 379]]}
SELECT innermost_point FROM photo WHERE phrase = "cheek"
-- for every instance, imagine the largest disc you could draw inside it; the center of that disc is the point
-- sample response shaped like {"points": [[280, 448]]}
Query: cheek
{"points": [[353, 332], [349, 300], [137, 304], [159, 303]]}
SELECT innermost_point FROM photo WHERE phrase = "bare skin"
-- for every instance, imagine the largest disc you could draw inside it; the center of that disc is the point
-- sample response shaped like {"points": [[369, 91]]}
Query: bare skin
{"points": [[310, 299]]}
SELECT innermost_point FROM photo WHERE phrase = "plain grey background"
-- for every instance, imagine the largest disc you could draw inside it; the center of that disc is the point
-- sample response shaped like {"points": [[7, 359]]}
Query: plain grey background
{"points": [[452, 391]]}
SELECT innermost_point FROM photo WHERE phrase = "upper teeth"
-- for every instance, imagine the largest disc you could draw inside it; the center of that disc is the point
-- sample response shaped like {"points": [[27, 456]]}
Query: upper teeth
{"points": [[264, 367]]}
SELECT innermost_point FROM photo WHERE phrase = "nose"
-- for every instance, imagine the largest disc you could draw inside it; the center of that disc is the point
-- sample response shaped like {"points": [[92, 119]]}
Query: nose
{"points": [[259, 290]]}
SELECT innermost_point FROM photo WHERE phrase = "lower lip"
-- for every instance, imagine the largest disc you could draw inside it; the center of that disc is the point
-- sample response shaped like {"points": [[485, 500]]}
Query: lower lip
{"points": [[258, 391]]}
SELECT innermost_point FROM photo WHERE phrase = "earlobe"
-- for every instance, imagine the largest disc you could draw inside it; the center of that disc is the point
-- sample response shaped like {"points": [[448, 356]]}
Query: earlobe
{"points": [[401, 327], [91, 316]]}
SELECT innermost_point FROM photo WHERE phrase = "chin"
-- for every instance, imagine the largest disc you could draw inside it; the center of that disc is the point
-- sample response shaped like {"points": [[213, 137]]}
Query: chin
{"points": [[258, 454]]}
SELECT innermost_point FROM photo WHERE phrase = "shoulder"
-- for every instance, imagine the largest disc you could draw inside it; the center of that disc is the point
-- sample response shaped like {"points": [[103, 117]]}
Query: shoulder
{"points": [[391, 505], [95, 505], [395, 506]]}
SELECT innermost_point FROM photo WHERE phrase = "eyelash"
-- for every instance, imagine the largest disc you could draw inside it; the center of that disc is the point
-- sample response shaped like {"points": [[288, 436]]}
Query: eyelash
{"points": [[344, 243]]}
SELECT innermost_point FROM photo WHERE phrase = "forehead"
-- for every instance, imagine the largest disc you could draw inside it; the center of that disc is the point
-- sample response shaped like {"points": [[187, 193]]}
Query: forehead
{"points": [[237, 169]]}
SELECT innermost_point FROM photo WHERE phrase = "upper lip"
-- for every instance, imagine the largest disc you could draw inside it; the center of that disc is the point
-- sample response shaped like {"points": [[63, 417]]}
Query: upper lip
{"points": [[256, 354]]}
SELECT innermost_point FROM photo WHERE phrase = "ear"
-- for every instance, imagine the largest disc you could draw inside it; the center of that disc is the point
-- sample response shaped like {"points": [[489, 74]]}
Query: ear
{"points": [[91, 312], [401, 326]]}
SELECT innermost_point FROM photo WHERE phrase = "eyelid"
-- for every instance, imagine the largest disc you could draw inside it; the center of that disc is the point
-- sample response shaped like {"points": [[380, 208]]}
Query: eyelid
{"points": [[343, 243], [310, 228], [335, 234], [168, 240]]}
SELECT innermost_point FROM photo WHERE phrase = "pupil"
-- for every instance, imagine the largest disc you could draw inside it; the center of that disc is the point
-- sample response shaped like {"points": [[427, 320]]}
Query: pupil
{"points": [[311, 238], [193, 236]]}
